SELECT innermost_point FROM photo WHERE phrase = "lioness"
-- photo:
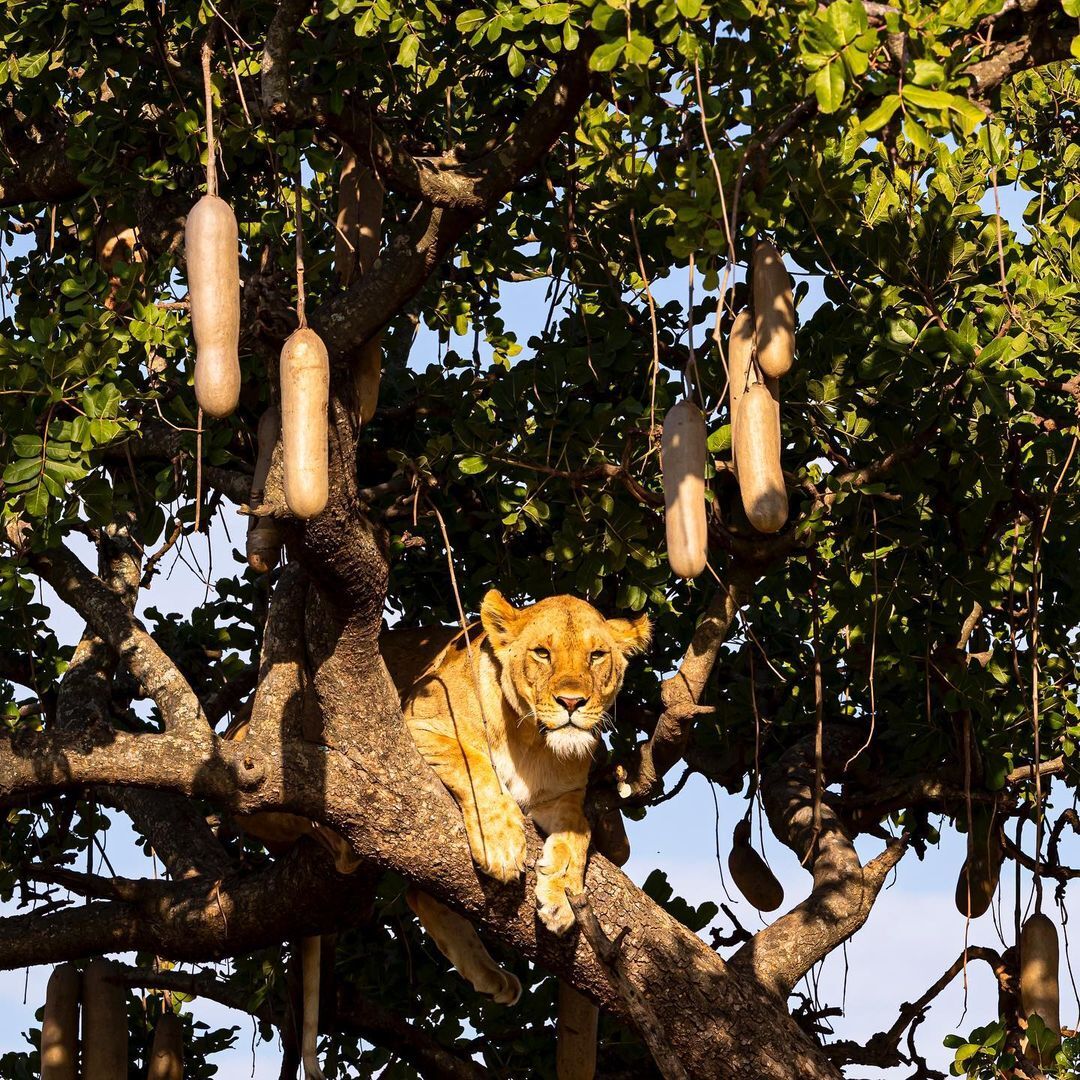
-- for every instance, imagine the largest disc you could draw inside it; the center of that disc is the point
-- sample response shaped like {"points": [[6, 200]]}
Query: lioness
{"points": [[515, 734]]}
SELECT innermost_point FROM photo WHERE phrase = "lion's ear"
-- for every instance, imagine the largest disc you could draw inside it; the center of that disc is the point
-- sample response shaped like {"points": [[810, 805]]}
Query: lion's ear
{"points": [[500, 618], [631, 635]]}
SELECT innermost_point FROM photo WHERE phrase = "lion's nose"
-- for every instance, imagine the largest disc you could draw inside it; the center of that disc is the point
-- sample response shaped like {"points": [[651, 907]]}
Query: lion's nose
{"points": [[571, 704]]}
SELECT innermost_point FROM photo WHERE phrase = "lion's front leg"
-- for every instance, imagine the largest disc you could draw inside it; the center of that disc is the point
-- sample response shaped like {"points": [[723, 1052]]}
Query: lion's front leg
{"points": [[561, 867], [493, 821]]}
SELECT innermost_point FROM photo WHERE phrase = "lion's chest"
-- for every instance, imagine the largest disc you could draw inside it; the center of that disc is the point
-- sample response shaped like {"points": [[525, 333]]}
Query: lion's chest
{"points": [[532, 776]]}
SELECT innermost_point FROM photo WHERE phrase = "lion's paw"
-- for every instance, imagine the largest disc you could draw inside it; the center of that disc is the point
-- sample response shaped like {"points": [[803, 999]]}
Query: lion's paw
{"points": [[552, 905], [510, 990], [499, 849]]}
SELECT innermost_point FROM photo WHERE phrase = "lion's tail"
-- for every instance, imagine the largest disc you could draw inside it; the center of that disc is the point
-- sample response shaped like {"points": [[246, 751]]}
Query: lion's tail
{"points": [[311, 963], [575, 1038]]}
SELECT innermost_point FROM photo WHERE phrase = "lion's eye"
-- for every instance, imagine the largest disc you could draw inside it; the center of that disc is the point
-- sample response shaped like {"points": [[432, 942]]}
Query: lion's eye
{"points": [[541, 654], [597, 656]]}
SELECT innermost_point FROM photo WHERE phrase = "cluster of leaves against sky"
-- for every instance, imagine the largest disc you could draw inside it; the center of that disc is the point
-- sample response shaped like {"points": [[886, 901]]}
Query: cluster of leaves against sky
{"points": [[935, 582]]}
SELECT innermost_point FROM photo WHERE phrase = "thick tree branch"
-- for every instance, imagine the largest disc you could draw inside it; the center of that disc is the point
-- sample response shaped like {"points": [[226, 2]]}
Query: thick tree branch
{"points": [[369, 1019], [280, 38], [157, 441], [43, 173], [1035, 44], [370, 786], [195, 920], [408, 259], [173, 825], [844, 890]]}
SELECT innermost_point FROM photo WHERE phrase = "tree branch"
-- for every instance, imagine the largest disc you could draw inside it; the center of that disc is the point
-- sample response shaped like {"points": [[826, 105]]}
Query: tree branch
{"points": [[354, 1012], [408, 259], [194, 920], [156, 674], [158, 441], [381, 798], [43, 173], [607, 951], [882, 1051], [681, 693], [844, 890], [1035, 44], [173, 825]]}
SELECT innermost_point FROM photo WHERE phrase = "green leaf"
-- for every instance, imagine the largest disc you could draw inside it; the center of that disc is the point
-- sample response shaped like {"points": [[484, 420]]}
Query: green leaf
{"points": [[410, 46], [470, 466], [927, 73], [828, 87], [27, 446], [639, 49], [848, 19], [605, 57], [515, 61], [555, 14], [30, 67], [917, 135], [882, 114], [926, 99], [19, 472], [468, 21]]}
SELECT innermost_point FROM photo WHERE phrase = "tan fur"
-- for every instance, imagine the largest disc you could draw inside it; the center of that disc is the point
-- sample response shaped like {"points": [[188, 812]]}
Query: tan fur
{"points": [[510, 726]]}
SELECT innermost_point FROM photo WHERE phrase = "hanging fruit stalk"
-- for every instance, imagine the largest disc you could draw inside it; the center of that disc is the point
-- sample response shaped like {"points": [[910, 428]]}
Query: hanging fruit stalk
{"points": [[751, 874], [311, 969], [978, 879], [104, 1024], [264, 533], [1039, 992], [774, 310], [167, 1051], [683, 463], [60, 1025], [757, 450], [213, 269]]}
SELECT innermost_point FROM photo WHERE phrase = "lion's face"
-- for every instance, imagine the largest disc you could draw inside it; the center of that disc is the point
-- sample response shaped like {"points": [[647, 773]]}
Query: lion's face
{"points": [[562, 664]]}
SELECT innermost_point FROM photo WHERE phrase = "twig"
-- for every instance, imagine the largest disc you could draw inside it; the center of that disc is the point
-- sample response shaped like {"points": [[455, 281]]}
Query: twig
{"points": [[211, 150], [301, 312]]}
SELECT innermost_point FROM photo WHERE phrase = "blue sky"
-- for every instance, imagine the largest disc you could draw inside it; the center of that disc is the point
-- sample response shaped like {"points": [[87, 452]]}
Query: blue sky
{"points": [[913, 933]]}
